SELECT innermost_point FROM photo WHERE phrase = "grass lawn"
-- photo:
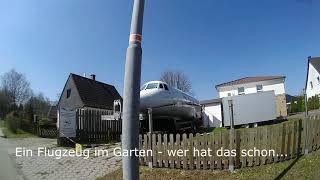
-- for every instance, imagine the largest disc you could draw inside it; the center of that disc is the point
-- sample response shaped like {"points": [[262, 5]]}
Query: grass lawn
{"points": [[20, 133], [304, 168]]}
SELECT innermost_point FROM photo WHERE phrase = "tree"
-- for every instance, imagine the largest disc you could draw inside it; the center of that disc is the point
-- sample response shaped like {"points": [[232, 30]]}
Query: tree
{"points": [[297, 104], [16, 87], [39, 104], [28, 112], [4, 104], [300, 103], [178, 80]]}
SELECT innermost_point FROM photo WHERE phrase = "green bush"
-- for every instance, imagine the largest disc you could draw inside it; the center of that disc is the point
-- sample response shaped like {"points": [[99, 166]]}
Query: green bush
{"points": [[13, 121], [313, 102], [43, 121]]}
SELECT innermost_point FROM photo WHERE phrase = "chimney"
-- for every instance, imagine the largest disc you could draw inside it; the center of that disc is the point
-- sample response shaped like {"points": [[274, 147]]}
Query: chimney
{"points": [[93, 77]]}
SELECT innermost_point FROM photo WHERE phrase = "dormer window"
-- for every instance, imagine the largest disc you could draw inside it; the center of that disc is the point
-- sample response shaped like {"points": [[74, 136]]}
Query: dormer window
{"points": [[311, 85], [240, 90]]}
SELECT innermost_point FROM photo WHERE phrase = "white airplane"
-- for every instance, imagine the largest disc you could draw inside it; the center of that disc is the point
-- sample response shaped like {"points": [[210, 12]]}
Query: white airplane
{"points": [[171, 108]]}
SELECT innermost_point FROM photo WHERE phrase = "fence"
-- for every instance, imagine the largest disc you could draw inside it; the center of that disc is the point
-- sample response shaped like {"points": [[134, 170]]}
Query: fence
{"points": [[271, 144], [91, 128], [47, 131]]}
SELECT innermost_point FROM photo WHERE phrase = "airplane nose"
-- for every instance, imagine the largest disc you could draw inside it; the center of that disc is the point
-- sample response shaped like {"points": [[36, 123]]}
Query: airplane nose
{"points": [[143, 100], [146, 98]]}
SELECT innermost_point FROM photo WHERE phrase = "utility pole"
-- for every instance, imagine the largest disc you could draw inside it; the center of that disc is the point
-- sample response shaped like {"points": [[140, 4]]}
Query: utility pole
{"points": [[131, 97], [150, 120], [305, 103], [232, 135], [306, 119]]}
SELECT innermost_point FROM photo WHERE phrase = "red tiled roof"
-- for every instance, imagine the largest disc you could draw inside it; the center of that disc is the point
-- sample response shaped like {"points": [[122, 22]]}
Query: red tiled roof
{"points": [[249, 80]]}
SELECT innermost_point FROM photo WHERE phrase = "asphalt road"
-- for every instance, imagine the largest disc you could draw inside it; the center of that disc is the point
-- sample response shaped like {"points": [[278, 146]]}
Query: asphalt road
{"points": [[302, 114], [8, 170]]}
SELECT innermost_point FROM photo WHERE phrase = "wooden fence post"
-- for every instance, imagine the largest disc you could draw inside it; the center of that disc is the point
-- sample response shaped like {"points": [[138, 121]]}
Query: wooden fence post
{"points": [[150, 147], [231, 147], [185, 147], [306, 135], [213, 154], [191, 157]]}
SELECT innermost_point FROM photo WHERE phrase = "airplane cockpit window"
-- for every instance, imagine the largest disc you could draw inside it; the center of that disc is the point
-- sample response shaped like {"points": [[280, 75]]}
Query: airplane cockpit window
{"points": [[166, 87], [152, 86], [143, 87], [161, 86]]}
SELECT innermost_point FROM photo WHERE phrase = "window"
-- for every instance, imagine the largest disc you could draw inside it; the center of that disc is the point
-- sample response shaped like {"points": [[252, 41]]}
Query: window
{"points": [[318, 78], [161, 86], [152, 86], [259, 87], [166, 87], [68, 93], [143, 87], [311, 85], [241, 90], [229, 94]]}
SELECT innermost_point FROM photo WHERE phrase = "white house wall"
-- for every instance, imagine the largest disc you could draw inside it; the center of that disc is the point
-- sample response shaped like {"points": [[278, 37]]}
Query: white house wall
{"points": [[277, 85], [212, 116], [312, 77]]}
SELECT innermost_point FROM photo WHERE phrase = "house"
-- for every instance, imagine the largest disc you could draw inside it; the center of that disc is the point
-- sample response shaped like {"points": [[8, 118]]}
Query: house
{"points": [[312, 85], [212, 113], [81, 92], [256, 84]]}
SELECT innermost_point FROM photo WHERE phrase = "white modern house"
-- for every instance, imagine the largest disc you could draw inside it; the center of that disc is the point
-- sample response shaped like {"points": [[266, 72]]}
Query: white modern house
{"points": [[256, 84], [313, 77]]}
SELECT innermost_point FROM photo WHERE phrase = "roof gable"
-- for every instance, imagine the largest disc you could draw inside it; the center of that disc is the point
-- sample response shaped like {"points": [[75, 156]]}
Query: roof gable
{"points": [[246, 80], [315, 61], [94, 93]]}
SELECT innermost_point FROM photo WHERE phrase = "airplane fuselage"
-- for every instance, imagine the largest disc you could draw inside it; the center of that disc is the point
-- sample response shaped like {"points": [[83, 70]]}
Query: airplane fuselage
{"points": [[168, 102]]}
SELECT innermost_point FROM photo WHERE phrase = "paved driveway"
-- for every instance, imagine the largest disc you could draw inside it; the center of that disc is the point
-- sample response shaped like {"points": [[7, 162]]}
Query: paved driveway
{"points": [[8, 170], [44, 167]]}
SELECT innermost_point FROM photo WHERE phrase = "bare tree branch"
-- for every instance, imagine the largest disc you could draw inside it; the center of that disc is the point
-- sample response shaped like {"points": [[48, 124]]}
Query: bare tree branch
{"points": [[16, 87], [178, 80]]}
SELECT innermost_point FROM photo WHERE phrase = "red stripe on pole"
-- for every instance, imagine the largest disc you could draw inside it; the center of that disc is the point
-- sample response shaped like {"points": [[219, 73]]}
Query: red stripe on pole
{"points": [[135, 37]]}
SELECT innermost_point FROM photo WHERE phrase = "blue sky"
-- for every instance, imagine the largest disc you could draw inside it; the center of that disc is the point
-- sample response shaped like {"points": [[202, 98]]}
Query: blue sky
{"points": [[211, 41]]}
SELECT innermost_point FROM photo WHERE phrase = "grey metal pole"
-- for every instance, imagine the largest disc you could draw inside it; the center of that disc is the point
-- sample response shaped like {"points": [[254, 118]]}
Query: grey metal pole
{"points": [[232, 135], [150, 120], [131, 97], [305, 104]]}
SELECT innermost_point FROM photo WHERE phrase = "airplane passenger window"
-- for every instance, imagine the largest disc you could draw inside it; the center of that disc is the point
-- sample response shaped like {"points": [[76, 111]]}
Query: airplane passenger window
{"points": [[161, 86], [152, 86], [166, 87]]}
